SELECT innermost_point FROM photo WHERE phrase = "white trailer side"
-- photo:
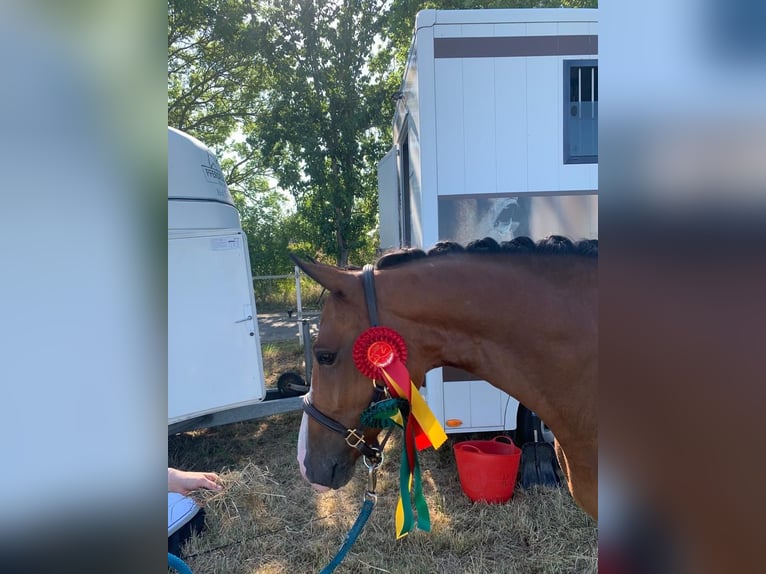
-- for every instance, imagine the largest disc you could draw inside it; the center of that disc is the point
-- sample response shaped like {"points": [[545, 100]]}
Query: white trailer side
{"points": [[214, 353]]}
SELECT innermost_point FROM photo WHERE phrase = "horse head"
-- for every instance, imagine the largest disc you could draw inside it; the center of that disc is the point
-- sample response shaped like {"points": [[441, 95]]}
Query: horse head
{"points": [[451, 307], [338, 390]]}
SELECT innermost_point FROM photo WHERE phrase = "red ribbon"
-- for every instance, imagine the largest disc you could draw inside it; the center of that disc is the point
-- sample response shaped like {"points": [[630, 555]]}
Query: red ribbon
{"points": [[380, 348], [380, 353], [376, 348]]}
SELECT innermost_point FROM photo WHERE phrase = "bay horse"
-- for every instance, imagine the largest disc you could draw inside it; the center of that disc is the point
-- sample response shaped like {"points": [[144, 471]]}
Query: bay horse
{"points": [[520, 315]]}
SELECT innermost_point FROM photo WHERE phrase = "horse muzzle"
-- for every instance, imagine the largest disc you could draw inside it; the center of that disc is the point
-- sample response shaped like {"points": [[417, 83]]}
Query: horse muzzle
{"points": [[331, 469]]}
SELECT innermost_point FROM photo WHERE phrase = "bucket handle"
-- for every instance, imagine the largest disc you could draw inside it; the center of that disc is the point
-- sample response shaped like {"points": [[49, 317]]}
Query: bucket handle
{"points": [[504, 439], [470, 448]]}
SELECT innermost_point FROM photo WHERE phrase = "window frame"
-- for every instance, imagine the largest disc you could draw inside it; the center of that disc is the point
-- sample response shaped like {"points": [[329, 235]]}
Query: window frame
{"points": [[569, 159]]}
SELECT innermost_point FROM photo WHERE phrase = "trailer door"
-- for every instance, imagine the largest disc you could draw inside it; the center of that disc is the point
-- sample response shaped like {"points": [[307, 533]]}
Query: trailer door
{"points": [[214, 355]]}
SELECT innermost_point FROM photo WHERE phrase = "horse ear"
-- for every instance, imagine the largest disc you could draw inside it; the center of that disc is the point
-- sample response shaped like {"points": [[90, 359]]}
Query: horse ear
{"points": [[331, 278]]}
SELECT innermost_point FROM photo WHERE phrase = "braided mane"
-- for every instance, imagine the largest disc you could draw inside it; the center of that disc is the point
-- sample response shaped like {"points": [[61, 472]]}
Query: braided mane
{"points": [[553, 244]]}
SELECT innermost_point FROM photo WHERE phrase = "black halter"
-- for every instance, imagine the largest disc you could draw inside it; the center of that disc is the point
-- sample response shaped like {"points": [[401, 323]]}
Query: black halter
{"points": [[354, 437]]}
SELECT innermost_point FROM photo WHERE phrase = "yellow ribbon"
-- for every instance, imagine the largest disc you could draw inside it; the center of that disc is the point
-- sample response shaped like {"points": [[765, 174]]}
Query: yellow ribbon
{"points": [[421, 411]]}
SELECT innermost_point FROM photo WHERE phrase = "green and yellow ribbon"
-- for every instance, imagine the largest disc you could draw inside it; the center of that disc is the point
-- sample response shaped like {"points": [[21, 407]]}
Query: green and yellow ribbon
{"points": [[379, 353]]}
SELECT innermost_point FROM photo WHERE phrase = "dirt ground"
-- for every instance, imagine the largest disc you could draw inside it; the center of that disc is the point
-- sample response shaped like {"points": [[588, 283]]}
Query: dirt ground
{"points": [[273, 327]]}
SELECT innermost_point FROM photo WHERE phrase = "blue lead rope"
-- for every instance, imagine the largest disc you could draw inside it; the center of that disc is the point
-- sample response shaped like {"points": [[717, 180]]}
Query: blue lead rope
{"points": [[353, 534], [177, 564]]}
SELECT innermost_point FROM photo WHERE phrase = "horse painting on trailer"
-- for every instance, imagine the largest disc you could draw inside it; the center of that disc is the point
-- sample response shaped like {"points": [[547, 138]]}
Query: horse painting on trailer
{"points": [[521, 315]]}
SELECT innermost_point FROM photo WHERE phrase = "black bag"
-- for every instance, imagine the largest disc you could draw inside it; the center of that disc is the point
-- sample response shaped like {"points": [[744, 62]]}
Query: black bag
{"points": [[538, 465]]}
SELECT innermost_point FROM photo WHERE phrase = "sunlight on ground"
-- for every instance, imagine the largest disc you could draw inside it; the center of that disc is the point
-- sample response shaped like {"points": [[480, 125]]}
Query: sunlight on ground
{"points": [[338, 507], [273, 567]]}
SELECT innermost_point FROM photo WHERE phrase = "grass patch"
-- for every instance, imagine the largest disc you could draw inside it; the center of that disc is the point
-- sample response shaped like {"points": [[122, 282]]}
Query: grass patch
{"points": [[279, 295], [268, 520]]}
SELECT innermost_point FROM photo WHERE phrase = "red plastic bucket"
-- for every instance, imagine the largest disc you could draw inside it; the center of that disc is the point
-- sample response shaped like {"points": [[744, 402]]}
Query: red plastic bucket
{"points": [[488, 468]]}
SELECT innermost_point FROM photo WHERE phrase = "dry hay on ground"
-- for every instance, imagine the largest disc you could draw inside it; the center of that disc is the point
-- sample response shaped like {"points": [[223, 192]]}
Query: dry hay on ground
{"points": [[269, 520]]}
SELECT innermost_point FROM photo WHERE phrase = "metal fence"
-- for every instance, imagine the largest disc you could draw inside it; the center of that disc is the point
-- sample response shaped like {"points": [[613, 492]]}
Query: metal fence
{"points": [[282, 294]]}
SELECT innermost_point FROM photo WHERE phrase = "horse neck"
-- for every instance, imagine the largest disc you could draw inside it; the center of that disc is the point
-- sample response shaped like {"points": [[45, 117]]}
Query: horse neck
{"points": [[509, 321]]}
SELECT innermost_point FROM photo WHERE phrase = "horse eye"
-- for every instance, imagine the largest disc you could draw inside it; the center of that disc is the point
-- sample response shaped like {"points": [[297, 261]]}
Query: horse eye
{"points": [[325, 357]]}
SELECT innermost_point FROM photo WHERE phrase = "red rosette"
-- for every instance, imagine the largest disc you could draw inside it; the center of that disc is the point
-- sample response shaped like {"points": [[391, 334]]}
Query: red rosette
{"points": [[376, 348]]}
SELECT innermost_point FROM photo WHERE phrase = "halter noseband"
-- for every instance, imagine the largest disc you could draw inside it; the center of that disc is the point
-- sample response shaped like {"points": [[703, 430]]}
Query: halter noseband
{"points": [[354, 437]]}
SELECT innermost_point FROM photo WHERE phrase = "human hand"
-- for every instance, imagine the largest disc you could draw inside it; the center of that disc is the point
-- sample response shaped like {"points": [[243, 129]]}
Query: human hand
{"points": [[184, 481]]}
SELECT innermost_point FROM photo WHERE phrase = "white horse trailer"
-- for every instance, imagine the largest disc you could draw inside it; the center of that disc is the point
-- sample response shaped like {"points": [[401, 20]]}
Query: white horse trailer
{"points": [[495, 135], [214, 353]]}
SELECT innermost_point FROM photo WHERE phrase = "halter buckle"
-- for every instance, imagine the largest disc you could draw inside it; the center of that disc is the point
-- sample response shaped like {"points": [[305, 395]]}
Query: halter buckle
{"points": [[382, 389], [354, 439]]}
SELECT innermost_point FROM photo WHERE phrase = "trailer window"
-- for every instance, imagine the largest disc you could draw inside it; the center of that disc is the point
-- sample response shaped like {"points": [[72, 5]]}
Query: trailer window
{"points": [[580, 111]]}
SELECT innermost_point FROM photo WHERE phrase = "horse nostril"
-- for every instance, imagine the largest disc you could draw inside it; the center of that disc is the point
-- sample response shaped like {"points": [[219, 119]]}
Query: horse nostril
{"points": [[333, 474]]}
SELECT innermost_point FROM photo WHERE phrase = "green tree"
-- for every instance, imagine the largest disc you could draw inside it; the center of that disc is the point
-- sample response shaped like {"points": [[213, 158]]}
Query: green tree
{"points": [[214, 68], [321, 134]]}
